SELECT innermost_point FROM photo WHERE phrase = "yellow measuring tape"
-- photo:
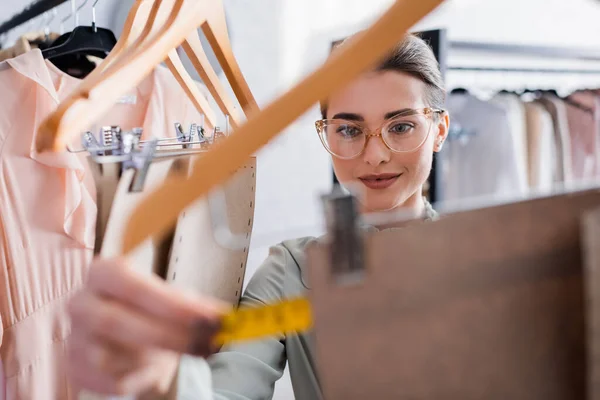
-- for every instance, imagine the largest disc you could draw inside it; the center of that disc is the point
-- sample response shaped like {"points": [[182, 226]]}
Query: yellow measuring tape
{"points": [[287, 316]]}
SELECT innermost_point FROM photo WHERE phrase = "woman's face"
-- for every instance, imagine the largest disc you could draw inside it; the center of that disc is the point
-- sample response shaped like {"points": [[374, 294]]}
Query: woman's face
{"points": [[371, 100]]}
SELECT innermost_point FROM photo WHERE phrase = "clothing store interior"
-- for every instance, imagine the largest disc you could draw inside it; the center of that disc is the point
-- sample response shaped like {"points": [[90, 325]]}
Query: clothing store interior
{"points": [[257, 199]]}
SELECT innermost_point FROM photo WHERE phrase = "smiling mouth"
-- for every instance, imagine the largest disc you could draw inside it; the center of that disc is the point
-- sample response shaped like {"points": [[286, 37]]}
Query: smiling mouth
{"points": [[379, 182]]}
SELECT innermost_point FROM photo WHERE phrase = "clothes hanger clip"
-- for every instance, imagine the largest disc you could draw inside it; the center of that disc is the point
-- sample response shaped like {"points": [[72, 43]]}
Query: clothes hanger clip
{"points": [[109, 135], [129, 142], [344, 238], [183, 138], [219, 134], [90, 143], [140, 161]]}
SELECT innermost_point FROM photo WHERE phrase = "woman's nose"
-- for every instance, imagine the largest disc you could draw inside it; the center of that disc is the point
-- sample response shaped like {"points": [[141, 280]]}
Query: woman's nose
{"points": [[376, 152]]}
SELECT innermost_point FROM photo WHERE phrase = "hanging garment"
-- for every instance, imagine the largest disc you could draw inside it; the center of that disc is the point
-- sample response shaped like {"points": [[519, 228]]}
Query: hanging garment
{"points": [[479, 158], [558, 111], [541, 147], [515, 112], [583, 130], [48, 214]]}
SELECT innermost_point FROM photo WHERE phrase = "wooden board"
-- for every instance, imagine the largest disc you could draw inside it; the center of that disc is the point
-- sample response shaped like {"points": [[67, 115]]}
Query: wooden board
{"points": [[591, 257], [199, 262], [483, 304]]}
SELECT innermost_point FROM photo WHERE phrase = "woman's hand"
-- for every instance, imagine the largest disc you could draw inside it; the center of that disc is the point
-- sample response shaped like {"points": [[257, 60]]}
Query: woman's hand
{"points": [[128, 331]]}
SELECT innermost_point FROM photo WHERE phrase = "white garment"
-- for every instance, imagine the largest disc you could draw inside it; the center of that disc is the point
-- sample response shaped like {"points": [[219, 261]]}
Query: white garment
{"points": [[515, 110], [479, 158]]}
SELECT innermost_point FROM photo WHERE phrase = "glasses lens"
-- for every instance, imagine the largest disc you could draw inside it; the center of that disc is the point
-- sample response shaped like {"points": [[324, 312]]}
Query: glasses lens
{"points": [[344, 140], [407, 132]]}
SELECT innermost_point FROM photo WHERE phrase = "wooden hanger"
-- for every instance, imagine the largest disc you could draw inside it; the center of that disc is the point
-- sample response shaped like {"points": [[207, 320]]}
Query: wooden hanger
{"points": [[157, 213], [135, 31], [144, 18], [98, 93], [215, 30]]}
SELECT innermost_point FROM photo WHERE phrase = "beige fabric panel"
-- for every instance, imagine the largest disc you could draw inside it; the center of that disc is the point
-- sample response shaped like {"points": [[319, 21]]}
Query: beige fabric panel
{"points": [[151, 256], [199, 262], [106, 178]]}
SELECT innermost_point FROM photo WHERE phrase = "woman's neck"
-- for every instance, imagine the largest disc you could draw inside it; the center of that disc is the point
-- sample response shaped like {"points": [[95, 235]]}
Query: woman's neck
{"points": [[414, 209], [414, 206]]}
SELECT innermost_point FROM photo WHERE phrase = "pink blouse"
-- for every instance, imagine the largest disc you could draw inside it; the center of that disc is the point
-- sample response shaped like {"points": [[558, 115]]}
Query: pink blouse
{"points": [[48, 215]]}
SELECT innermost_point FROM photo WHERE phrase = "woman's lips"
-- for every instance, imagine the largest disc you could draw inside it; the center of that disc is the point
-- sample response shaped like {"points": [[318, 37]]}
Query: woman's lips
{"points": [[379, 182]]}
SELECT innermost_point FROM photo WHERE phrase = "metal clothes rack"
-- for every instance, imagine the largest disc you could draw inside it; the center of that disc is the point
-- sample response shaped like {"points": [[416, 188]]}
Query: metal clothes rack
{"points": [[588, 54], [530, 70], [33, 10]]}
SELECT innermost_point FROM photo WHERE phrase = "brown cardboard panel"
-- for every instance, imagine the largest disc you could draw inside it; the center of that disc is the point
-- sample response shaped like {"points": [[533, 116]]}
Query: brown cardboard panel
{"points": [[482, 304]]}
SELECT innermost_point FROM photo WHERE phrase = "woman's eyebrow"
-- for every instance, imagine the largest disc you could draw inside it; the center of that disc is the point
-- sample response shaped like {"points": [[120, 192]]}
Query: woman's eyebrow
{"points": [[349, 116], [392, 114]]}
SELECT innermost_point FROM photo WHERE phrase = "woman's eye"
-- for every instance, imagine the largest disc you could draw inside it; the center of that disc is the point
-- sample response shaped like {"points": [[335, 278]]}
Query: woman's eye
{"points": [[348, 131], [401, 127]]}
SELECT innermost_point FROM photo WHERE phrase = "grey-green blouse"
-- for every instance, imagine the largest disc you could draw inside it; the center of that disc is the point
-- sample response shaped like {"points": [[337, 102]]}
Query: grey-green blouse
{"points": [[248, 371]]}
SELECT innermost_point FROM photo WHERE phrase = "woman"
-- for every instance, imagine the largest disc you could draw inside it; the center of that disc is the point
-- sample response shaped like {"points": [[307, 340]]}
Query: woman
{"points": [[129, 332]]}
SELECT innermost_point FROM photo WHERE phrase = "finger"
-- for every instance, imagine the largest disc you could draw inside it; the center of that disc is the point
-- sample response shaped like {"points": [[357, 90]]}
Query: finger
{"points": [[87, 376], [149, 293], [121, 324], [103, 355]]}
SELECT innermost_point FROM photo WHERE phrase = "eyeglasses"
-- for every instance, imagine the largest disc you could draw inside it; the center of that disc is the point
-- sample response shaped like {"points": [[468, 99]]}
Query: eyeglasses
{"points": [[403, 133]]}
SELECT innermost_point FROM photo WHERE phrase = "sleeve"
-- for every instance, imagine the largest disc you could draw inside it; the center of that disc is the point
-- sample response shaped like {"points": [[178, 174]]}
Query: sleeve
{"points": [[242, 371]]}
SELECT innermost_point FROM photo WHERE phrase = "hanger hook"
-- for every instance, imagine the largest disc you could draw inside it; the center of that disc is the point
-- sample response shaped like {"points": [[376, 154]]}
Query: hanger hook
{"points": [[74, 12], [94, 16]]}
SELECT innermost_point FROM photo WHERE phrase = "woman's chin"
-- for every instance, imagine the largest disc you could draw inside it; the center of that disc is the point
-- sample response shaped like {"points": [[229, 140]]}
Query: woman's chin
{"points": [[377, 205]]}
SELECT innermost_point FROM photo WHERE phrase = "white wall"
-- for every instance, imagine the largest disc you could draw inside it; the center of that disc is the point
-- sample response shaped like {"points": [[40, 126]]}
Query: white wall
{"points": [[277, 42]]}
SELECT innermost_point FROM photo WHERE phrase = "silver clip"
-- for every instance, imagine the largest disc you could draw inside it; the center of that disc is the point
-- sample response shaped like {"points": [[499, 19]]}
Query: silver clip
{"points": [[90, 143], [180, 134], [110, 136], [344, 237], [141, 162], [129, 142], [183, 138]]}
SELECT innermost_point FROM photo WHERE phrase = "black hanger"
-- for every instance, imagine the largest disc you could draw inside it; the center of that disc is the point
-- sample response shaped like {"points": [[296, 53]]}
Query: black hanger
{"points": [[70, 51], [84, 40], [459, 90]]}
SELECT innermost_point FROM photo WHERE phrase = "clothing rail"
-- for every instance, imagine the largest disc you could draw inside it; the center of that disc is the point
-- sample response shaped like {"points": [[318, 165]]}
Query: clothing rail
{"points": [[552, 52], [526, 70], [30, 12], [572, 53]]}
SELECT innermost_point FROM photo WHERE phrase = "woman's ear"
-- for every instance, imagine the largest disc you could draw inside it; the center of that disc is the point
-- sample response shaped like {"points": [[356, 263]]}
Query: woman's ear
{"points": [[442, 131]]}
